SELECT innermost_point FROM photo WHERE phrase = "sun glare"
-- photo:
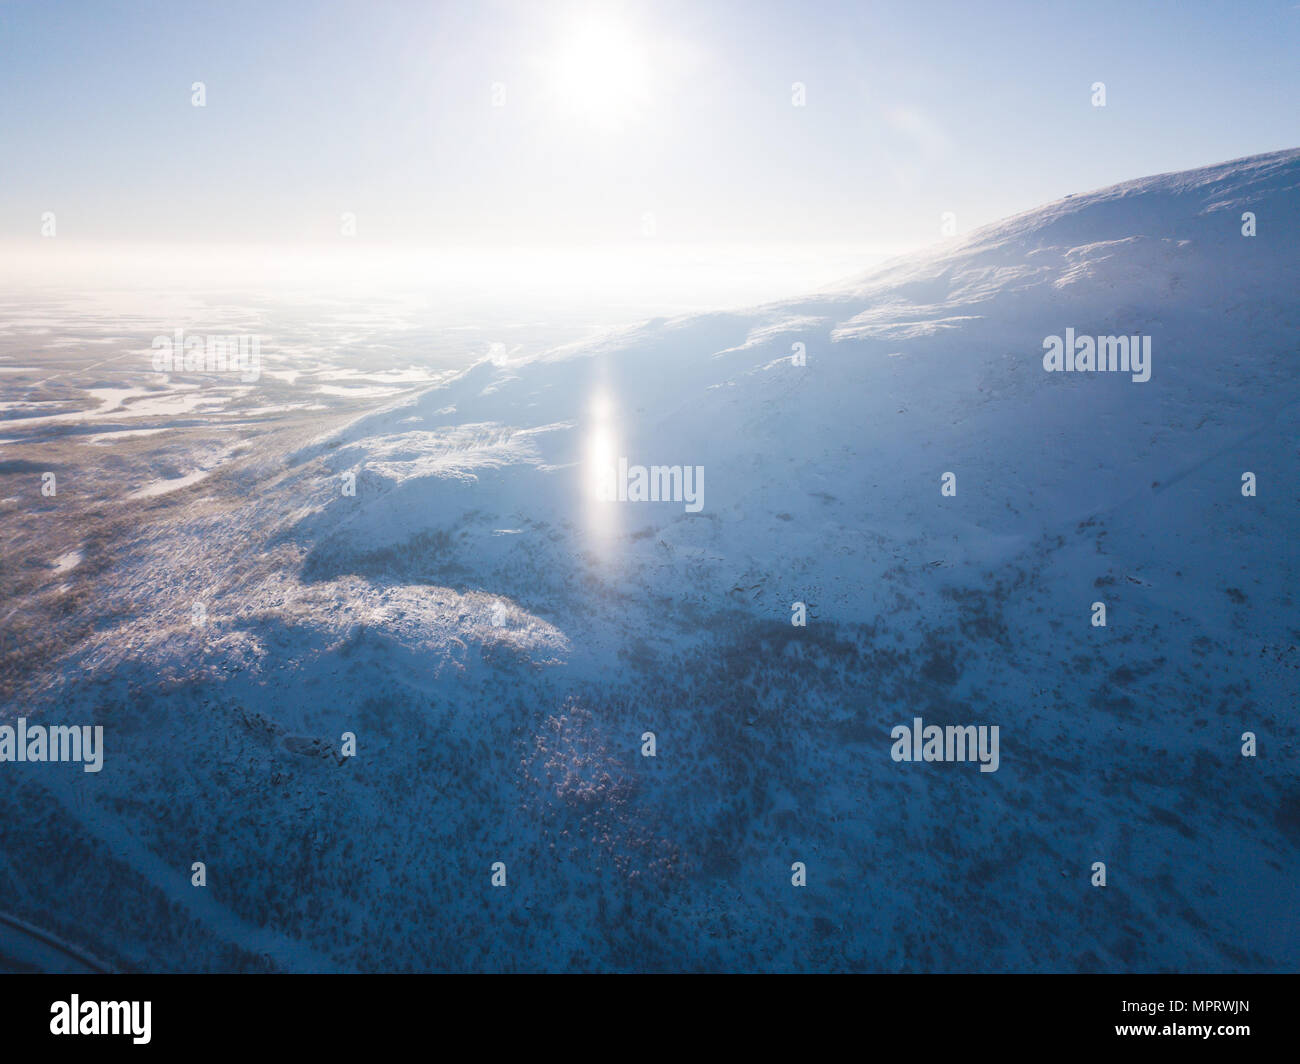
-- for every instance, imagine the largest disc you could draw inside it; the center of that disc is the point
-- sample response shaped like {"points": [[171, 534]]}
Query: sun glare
{"points": [[602, 73], [601, 463]]}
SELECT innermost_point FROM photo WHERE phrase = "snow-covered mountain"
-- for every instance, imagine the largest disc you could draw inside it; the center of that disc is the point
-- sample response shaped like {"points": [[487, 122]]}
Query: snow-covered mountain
{"points": [[441, 578]]}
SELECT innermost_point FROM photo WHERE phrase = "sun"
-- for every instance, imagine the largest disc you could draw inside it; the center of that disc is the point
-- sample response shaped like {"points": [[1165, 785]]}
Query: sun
{"points": [[601, 73]]}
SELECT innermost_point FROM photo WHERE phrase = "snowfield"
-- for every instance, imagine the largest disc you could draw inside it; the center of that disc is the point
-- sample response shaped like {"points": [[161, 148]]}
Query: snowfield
{"points": [[438, 577]]}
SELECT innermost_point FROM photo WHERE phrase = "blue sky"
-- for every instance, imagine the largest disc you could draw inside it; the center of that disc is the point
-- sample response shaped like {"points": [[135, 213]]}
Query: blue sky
{"points": [[385, 110]]}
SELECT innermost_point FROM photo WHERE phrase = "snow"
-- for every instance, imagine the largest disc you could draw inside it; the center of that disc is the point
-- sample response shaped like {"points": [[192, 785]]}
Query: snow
{"points": [[499, 640], [162, 487], [66, 562]]}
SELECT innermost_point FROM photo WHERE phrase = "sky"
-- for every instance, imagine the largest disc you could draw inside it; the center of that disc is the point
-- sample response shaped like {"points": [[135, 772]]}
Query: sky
{"points": [[560, 124]]}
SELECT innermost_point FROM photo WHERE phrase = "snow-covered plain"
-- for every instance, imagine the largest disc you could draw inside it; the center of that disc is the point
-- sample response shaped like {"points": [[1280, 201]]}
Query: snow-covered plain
{"points": [[499, 639]]}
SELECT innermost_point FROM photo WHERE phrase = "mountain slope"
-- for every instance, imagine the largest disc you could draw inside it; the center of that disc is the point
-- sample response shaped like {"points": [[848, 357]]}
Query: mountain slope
{"points": [[500, 639]]}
